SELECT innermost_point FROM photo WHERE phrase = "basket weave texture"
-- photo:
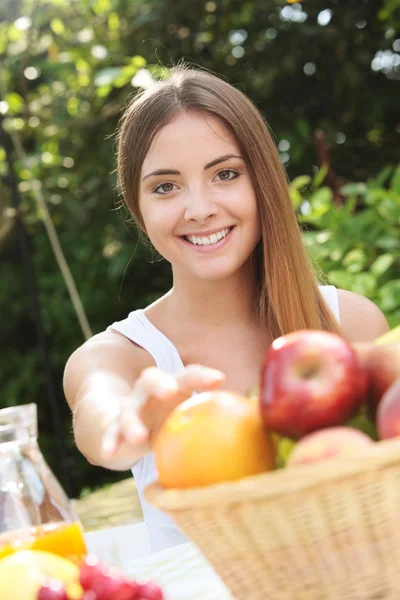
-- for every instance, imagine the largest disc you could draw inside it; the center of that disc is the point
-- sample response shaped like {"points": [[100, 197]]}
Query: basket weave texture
{"points": [[326, 531]]}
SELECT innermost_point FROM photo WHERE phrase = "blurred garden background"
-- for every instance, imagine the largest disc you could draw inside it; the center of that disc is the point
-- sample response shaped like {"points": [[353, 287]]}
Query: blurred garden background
{"points": [[324, 73]]}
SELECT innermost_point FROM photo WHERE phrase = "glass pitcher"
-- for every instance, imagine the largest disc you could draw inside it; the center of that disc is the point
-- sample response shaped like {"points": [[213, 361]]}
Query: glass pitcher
{"points": [[35, 512]]}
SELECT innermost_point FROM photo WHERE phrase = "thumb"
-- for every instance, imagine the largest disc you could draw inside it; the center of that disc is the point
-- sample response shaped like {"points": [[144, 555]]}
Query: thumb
{"points": [[195, 378]]}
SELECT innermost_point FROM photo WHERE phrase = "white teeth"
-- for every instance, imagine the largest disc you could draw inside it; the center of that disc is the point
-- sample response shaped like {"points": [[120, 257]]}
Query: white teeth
{"points": [[208, 241]]}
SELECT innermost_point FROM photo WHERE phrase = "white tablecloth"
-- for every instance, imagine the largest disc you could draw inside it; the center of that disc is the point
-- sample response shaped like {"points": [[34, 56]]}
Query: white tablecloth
{"points": [[182, 572]]}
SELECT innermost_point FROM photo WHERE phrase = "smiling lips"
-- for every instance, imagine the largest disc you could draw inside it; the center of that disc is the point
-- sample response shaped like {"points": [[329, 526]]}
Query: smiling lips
{"points": [[208, 240]]}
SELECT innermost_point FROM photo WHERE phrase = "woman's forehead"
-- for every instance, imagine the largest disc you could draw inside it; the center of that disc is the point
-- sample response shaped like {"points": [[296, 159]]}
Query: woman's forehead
{"points": [[188, 137]]}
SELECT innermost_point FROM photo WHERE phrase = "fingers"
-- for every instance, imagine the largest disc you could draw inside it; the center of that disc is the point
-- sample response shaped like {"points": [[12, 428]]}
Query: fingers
{"points": [[153, 382], [142, 410], [111, 440], [196, 378], [132, 427]]}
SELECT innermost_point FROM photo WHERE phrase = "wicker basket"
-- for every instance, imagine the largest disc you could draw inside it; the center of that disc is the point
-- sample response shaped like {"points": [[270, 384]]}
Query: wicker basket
{"points": [[327, 531]]}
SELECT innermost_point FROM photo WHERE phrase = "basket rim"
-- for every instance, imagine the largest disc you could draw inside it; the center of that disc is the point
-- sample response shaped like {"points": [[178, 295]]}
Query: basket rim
{"points": [[280, 482]]}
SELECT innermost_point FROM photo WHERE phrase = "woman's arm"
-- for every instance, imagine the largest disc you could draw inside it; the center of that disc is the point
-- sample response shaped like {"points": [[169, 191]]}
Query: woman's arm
{"points": [[360, 319], [97, 378], [119, 399]]}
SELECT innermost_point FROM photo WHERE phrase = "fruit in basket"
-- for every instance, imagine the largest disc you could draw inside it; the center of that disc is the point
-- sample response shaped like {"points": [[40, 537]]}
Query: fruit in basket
{"points": [[382, 364], [388, 413], [390, 337], [329, 443], [310, 380], [23, 573], [213, 437]]}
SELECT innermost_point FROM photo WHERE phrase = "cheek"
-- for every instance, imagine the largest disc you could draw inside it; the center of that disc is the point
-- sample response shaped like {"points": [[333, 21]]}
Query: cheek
{"points": [[246, 204], [159, 223]]}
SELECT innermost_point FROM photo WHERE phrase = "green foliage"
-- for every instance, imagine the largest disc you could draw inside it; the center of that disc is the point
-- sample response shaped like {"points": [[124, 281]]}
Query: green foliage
{"points": [[357, 244], [67, 69]]}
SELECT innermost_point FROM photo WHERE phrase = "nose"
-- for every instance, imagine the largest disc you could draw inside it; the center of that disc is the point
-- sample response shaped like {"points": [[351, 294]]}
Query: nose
{"points": [[200, 206]]}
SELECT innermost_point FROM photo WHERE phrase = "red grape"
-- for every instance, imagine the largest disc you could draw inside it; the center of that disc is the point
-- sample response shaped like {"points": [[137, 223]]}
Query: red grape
{"points": [[128, 590], [53, 590], [91, 571], [104, 583], [150, 591], [88, 595]]}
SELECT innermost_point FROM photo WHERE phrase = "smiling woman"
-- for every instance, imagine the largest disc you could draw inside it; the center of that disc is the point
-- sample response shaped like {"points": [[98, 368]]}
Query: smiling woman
{"points": [[202, 178]]}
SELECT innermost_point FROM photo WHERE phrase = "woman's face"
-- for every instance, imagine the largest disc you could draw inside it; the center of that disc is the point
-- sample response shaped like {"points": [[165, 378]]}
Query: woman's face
{"points": [[197, 199]]}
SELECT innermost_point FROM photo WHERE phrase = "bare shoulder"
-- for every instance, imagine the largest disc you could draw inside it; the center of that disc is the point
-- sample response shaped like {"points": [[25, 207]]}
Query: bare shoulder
{"points": [[360, 318], [108, 353]]}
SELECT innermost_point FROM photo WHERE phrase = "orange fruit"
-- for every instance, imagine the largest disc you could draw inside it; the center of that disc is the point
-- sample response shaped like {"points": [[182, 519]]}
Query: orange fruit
{"points": [[212, 437]]}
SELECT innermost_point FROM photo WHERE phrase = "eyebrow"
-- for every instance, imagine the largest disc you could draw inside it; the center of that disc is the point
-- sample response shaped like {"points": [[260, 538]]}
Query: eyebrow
{"points": [[214, 162]]}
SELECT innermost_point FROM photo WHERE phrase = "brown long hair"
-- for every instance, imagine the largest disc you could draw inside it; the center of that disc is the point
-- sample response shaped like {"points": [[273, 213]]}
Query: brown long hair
{"points": [[288, 295]]}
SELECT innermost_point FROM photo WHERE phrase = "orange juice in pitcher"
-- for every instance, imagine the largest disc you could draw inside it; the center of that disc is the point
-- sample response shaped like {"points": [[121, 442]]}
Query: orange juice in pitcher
{"points": [[65, 539], [35, 512]]}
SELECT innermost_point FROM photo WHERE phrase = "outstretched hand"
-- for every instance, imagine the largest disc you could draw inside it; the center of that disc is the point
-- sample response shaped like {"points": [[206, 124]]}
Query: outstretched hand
{"points": [[154, 396]]}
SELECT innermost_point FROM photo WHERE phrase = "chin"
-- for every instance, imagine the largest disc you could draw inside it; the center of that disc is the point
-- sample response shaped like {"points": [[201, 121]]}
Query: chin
{"points": [[209, 272], [213, 275]]}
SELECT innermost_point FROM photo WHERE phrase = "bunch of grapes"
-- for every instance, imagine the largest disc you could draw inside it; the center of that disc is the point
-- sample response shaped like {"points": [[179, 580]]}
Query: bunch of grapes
{"points": [[100, 582]]}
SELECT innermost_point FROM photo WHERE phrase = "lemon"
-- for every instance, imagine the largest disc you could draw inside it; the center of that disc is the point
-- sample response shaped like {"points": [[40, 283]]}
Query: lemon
{"points": [[23, 573]]}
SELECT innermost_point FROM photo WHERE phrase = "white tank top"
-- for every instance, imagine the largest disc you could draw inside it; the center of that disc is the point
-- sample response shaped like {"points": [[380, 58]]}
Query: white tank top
{"points": [[162, 531]]}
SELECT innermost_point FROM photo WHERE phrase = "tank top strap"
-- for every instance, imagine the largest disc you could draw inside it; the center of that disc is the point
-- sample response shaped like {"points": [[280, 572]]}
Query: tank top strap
{"points": [[142, 332], [330, 295]]}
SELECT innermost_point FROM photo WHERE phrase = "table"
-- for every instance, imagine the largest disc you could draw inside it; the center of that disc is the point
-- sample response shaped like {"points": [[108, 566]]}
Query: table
{"points": [[182, 572]]}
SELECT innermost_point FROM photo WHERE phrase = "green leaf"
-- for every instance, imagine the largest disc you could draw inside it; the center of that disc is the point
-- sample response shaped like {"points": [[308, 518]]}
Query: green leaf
{"points": [[322, 197], [341, 279], [284, 447], [375, 195], [382, 264], [303, 128], [138, 61], [394, 319], [353, 189], [15, 102], [363, 423], [395, 183], [355, 260], [299, 183], [389, 296], [295, 197], [107, 76], [320, 176], [364, 284], [389, 241], [337, 254], [389, 209], [101, 6], [382, 177], [113, 21], [57, 26]]}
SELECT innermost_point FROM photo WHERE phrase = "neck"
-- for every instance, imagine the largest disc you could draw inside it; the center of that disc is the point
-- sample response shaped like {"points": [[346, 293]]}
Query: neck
{"points": [[217, 303]]}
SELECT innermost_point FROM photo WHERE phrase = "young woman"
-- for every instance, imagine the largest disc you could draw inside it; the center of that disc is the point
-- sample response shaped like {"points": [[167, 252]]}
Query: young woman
{"points": [[202, 178]]}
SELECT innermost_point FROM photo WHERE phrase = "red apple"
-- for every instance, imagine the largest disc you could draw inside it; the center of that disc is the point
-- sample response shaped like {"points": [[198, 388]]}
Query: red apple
{"points": [[382, 364], [325, 444], [388, 413], [309, 380]]}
